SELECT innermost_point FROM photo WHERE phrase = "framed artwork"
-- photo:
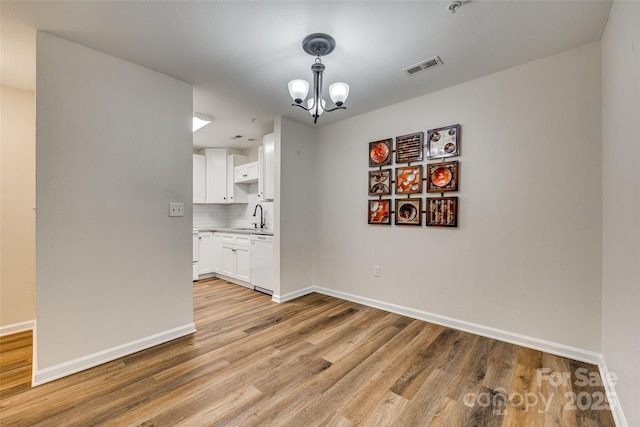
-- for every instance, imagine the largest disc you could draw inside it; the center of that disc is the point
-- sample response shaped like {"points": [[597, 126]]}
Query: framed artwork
{"points": [[442, 212], [442, 177], [380, 182], [443, 142], [408, 211], [409, 148], [409, 179], [380, 152], [379, 212]]}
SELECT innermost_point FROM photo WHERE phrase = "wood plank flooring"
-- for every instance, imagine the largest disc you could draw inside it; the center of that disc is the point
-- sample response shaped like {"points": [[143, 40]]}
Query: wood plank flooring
{"points": [[315, 361]]}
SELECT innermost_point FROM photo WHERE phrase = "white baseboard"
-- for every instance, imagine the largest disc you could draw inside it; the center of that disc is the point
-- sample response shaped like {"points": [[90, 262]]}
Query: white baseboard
{"points": [[612, 396], [293, 295], [233, 280], [71, 367], [474, 328], [14, 328]]}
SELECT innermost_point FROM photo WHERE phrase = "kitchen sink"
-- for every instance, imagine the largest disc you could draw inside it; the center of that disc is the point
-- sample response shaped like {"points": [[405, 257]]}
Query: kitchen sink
{"points": [[253, 230]]}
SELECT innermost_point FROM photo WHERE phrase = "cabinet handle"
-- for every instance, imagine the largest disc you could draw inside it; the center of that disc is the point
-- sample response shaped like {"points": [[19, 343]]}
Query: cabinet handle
{"points": [[244, 175]]}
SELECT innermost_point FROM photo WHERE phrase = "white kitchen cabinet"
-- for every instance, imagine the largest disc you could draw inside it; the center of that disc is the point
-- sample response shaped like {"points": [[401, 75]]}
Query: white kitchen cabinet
{"points": [[206, 253], [219, 185], [266, 185], [243, 263], [246, 174], [236, 193], [261, 173], [235, 262], [199, 178], [217, 253]]}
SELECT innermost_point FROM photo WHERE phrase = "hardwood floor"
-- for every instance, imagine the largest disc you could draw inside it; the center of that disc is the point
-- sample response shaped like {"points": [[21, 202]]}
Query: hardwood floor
{"points": [[318, 361]]}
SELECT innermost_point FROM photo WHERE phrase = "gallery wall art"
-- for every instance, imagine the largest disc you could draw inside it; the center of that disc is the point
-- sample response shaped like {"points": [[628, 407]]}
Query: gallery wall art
{"points": [[398, 188]]}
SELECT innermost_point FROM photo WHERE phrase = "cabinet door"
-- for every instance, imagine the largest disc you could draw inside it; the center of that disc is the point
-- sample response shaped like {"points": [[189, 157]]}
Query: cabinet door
{"points": [[216, 173], [217, 253], [261, 173], [228, 261], [246, 174], [199, 179], [268, 144], [240, 173], [205, 260], [243, 264], [252, 171]]}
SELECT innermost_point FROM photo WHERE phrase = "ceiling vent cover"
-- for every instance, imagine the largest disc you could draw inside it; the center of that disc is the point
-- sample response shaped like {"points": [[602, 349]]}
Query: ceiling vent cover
{"points": [[427, 64]]}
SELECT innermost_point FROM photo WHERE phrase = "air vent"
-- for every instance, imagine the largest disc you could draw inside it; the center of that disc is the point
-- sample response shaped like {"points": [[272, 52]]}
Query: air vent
{"points": [[424, 65]]}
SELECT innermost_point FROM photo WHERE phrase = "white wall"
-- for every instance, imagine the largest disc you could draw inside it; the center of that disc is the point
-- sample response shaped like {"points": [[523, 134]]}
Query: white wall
{"points": [[526, 255], [114, 148], [621, 203], [17, 210], [294, 206]]}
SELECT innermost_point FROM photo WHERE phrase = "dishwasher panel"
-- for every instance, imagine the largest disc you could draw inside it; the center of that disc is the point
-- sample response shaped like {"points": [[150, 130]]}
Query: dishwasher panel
{"points": [[261, 254]]}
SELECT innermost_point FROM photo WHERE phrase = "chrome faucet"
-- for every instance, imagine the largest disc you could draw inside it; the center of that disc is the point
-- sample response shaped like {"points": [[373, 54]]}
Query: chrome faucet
{"points": [[261, 214]]}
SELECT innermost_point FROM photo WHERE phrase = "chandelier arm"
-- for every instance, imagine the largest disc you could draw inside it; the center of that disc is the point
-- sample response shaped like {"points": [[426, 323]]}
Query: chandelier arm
{"points": [[342, 107], [301, 106]]}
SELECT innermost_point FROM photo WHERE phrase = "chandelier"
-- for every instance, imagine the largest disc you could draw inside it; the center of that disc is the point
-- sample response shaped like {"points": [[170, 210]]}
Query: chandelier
{"points": [[318, 45]]}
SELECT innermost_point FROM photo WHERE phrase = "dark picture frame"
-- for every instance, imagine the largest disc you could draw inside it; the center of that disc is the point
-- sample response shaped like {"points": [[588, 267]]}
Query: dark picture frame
{"points": [[379, 212], [408, 211], [380, 152], [442, 212], [443, 142], [442, 177], [409, 148], [380, 182], [408, 179]]}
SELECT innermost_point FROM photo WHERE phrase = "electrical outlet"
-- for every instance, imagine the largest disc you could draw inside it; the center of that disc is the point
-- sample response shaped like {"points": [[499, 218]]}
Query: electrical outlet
{"points": [[376, 271], [176, 209]]}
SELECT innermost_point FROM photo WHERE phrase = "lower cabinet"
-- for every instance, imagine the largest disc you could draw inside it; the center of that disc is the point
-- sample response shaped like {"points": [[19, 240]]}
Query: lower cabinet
{"points": [[231, 254], [206, 249]]}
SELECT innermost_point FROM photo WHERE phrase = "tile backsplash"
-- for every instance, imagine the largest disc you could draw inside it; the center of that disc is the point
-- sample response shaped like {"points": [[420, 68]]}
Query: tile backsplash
{"points": [[235, 215]]}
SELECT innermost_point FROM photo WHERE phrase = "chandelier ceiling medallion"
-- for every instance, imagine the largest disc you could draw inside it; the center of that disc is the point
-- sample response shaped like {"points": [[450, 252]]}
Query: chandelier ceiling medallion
{"points": [[318, 45]]}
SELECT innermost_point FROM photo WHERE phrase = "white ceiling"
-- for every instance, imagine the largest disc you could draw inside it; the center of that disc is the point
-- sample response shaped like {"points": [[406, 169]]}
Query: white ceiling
{"points": [[239, 55]]}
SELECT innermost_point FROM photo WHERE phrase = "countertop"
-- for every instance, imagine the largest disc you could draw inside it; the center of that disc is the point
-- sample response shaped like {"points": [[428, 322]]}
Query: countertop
{"points": [[262, 231]]}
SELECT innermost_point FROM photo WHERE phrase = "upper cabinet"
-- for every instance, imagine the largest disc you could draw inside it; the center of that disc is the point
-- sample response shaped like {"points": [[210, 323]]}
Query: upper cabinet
{"points": [[221, 175], [236, 193], [266, 181], [246, 174], [199, 179], [219, 186]]}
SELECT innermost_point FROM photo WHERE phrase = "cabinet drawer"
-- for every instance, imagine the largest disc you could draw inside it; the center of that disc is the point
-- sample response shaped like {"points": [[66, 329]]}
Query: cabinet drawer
{"points": [[227, 238], [233, 239], [242, 239]]}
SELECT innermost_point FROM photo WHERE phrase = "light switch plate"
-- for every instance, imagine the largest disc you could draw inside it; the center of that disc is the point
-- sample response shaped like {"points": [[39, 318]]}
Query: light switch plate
{"points": [[176, 209]]}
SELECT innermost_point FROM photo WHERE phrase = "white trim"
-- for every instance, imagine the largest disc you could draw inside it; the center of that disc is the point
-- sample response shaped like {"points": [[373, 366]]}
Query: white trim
{"points": [[474, 328], [80, 364], [233, 280], [295, 294], [17, 327], [612, 397]]}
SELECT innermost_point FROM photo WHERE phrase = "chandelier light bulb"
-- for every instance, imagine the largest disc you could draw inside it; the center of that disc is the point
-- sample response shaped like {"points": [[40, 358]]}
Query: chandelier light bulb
{"points": [[311, 107], [339, 93], [298, 89]]}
